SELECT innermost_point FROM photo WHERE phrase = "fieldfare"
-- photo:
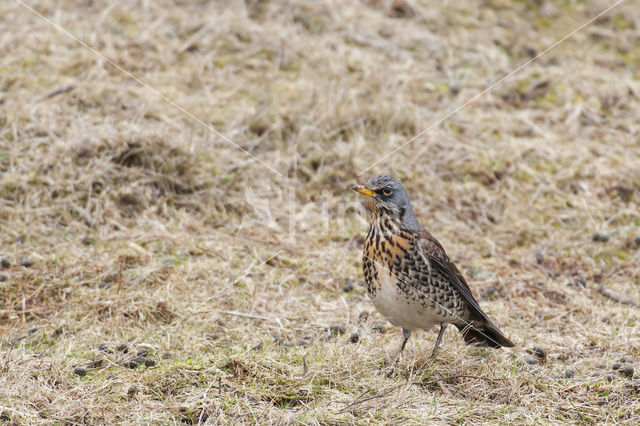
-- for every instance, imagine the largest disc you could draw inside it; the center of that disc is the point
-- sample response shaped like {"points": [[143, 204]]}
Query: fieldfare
{"points": [[410, 279]]}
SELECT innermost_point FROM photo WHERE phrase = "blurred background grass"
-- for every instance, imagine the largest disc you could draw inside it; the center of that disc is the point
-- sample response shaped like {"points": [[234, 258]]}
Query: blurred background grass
{"points": [[133, 236]]}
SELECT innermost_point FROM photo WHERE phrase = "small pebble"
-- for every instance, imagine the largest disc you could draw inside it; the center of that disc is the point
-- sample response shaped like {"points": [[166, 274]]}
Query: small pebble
{"points": [[26, 263], [567, 374], [20, 239], [143, 352], [626, 370], [122, 347], [532, 361], [336, 329], [615, 366], [600, 238], [609, 378], [167, 355], [539, 257], [380, 327], [103, 347], [5, 263], [32, 330], [637, 241], [130, 364], [581, 282], [354, 338], [3, 278], [348, 287], [79, 371], [540, 352], [132, 390], [148, 362]]}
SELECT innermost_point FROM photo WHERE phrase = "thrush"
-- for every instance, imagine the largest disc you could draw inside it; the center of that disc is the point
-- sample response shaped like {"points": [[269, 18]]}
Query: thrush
{"points": [[410, 279]]}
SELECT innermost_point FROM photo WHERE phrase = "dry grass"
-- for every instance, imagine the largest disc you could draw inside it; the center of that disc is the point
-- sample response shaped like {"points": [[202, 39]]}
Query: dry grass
{"points": [[145, 228]]}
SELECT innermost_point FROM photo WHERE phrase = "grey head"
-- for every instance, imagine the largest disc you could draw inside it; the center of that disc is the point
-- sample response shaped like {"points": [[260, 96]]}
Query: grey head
{"points": [[387, 198]]}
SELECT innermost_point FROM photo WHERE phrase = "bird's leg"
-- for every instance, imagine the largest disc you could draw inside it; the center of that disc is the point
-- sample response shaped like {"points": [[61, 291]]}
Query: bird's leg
{"points": [[405, 337], [443, 327]]}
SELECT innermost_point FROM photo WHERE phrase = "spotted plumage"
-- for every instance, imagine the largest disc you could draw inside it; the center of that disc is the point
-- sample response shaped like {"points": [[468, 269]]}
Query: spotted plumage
{"points": [[409, 276]]}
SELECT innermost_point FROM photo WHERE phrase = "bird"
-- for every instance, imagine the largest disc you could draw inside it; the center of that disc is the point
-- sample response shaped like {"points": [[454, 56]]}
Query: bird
{"points": [[409, 276]]}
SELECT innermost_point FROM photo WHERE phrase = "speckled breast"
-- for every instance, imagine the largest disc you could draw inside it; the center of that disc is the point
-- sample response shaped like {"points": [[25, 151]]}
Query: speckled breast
{"points": [[402, 287]]}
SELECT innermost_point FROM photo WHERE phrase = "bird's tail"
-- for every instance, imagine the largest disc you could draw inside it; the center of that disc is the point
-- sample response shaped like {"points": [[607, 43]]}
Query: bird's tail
{"points": [[484, 334]]}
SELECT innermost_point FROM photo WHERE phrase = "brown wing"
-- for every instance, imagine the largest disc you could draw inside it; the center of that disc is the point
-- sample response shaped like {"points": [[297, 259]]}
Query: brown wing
{"points": [[483, 330], [437, 257]]}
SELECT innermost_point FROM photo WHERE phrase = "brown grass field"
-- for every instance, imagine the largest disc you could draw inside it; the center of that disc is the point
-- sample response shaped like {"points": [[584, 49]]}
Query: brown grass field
{"points": [[156, 273]]}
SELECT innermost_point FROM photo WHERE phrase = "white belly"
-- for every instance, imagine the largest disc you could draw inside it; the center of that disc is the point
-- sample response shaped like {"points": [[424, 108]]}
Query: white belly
{"points": [[399, 309]]}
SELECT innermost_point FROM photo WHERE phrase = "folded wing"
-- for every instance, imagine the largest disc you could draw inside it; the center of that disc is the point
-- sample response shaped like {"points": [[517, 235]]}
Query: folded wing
{"points": [[475, 326]]}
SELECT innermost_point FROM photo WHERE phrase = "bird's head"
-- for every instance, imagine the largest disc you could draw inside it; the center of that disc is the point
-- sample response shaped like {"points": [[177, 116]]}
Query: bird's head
{"points": [[387, 198]]}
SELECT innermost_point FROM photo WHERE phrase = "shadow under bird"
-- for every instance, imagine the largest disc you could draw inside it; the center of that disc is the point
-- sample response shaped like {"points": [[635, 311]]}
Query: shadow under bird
{"points": [[410, 279]]}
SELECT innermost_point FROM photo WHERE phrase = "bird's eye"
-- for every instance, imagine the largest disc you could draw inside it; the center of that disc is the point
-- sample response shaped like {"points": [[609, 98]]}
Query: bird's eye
{"points": [[387, 190]]}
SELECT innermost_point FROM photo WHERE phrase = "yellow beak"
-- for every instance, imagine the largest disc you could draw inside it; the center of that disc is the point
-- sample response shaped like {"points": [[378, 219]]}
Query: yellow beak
{"points": [[363, 190]]}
